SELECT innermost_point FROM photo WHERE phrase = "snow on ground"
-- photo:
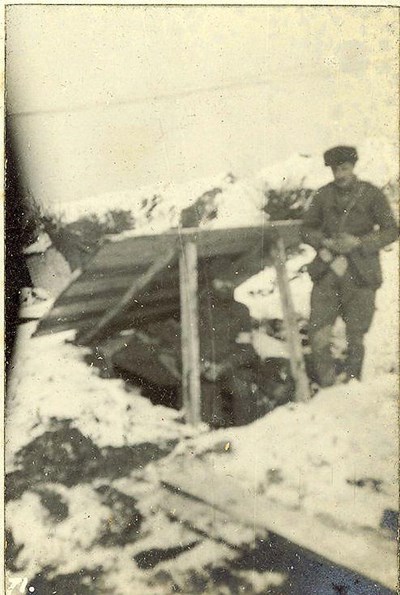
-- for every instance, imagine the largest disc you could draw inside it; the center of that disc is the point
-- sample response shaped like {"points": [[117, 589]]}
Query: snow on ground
{"points": [[54, 544], [382, 340], [77, 541], [51, 379], [260, 292], [335, 456]]}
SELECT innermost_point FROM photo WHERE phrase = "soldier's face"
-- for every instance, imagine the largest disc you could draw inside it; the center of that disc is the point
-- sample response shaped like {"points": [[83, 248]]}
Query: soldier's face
{"points": [[343, 174]]}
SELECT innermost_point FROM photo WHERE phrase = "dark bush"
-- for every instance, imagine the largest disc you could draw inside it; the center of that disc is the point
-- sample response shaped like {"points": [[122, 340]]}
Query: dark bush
{"points": [[286, 204]]}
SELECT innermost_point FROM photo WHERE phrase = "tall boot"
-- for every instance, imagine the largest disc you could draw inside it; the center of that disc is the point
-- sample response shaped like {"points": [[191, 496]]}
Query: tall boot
{"points": [[324, 366], [355, 357]]}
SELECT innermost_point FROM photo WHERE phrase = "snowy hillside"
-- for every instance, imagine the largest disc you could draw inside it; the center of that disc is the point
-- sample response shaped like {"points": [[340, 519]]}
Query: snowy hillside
{"points": [[232, 202]]}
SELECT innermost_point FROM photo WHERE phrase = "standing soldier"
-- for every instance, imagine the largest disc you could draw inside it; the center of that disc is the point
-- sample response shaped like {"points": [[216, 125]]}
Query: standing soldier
{"points": [[348, 222]]}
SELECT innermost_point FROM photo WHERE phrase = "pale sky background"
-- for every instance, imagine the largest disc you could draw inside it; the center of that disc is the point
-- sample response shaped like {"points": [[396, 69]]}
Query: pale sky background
{"points": [[108, 98]]}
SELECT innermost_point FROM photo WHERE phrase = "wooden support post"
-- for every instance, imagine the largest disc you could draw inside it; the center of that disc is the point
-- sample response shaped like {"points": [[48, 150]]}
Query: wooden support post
{"points": [[291, 326], [190, 332]]}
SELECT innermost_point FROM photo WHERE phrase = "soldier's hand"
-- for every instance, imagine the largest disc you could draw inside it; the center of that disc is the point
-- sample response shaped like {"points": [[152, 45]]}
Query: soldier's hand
{"points": [[339, 265], [348, 242], [325, 255], [343, 243]]}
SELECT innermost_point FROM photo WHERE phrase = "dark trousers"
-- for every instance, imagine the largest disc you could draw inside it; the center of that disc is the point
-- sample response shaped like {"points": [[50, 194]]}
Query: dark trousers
{"points": [[237, 388], [246, 393], [334, 296]]}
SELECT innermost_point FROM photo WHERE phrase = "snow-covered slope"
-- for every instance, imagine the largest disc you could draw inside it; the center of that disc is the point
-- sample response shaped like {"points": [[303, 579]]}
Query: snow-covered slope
{"points": [[237, 201]]}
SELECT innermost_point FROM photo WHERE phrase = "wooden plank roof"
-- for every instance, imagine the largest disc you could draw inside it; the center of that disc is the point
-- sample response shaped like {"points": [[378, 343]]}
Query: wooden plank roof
{"points": [[117, 264]]}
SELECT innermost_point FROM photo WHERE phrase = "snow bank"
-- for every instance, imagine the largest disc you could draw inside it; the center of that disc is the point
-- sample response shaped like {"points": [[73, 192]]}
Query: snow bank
{"points": [[53, 544], [378, 163], [335, 456], [238, 202], [382, 340], [261, 295], [51, 379], [155, 207]]}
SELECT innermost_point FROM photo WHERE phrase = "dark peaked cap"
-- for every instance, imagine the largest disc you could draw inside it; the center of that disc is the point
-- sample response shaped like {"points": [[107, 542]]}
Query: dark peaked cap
{"points": [[339, 155]]}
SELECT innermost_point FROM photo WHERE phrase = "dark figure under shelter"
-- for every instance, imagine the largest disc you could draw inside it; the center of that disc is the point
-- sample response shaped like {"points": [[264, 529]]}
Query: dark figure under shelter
{"points": [[237, 386]]}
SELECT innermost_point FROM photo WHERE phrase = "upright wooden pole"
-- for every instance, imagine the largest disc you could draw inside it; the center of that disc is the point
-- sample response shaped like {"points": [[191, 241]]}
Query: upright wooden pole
{"points": [[289, 316], [190, 332]]}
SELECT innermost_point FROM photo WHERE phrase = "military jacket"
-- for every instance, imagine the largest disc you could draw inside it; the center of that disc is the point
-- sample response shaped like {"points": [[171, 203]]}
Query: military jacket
{"points": [[362, 211]]}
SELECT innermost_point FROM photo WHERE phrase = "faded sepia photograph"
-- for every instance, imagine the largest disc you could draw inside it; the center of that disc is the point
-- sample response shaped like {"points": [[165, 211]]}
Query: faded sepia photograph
{"points": [[201, 299]]}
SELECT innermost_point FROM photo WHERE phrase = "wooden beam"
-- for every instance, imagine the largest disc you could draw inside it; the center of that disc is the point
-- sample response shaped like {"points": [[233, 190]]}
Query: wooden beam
{"points": [[100, 329], [190, 332], [368, 553], [297, 364], [199, 516]]}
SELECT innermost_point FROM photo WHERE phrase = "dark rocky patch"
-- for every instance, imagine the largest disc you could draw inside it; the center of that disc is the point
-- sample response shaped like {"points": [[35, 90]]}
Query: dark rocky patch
{"points": [[120, 461], [53, 503], [150, 558], [164, 580], [84, 582], [220, 577], [15, 485], [64, 455], [286, 204], [303, 574], [125, 520], [390, 521], [59, 456], [11, 551], [202, 210]]}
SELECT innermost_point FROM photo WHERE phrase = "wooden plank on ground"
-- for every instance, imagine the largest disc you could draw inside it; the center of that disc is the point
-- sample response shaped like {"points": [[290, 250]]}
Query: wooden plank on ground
{"points": [[364, 552], [199, 516]]}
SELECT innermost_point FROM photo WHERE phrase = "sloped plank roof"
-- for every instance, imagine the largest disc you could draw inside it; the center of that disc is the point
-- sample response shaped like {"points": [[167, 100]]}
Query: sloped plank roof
{"points": [[117, 264]]}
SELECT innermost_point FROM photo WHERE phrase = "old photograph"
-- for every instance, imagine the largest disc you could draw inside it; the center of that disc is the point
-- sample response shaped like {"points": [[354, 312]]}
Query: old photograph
{"points": [[201, 299]]}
